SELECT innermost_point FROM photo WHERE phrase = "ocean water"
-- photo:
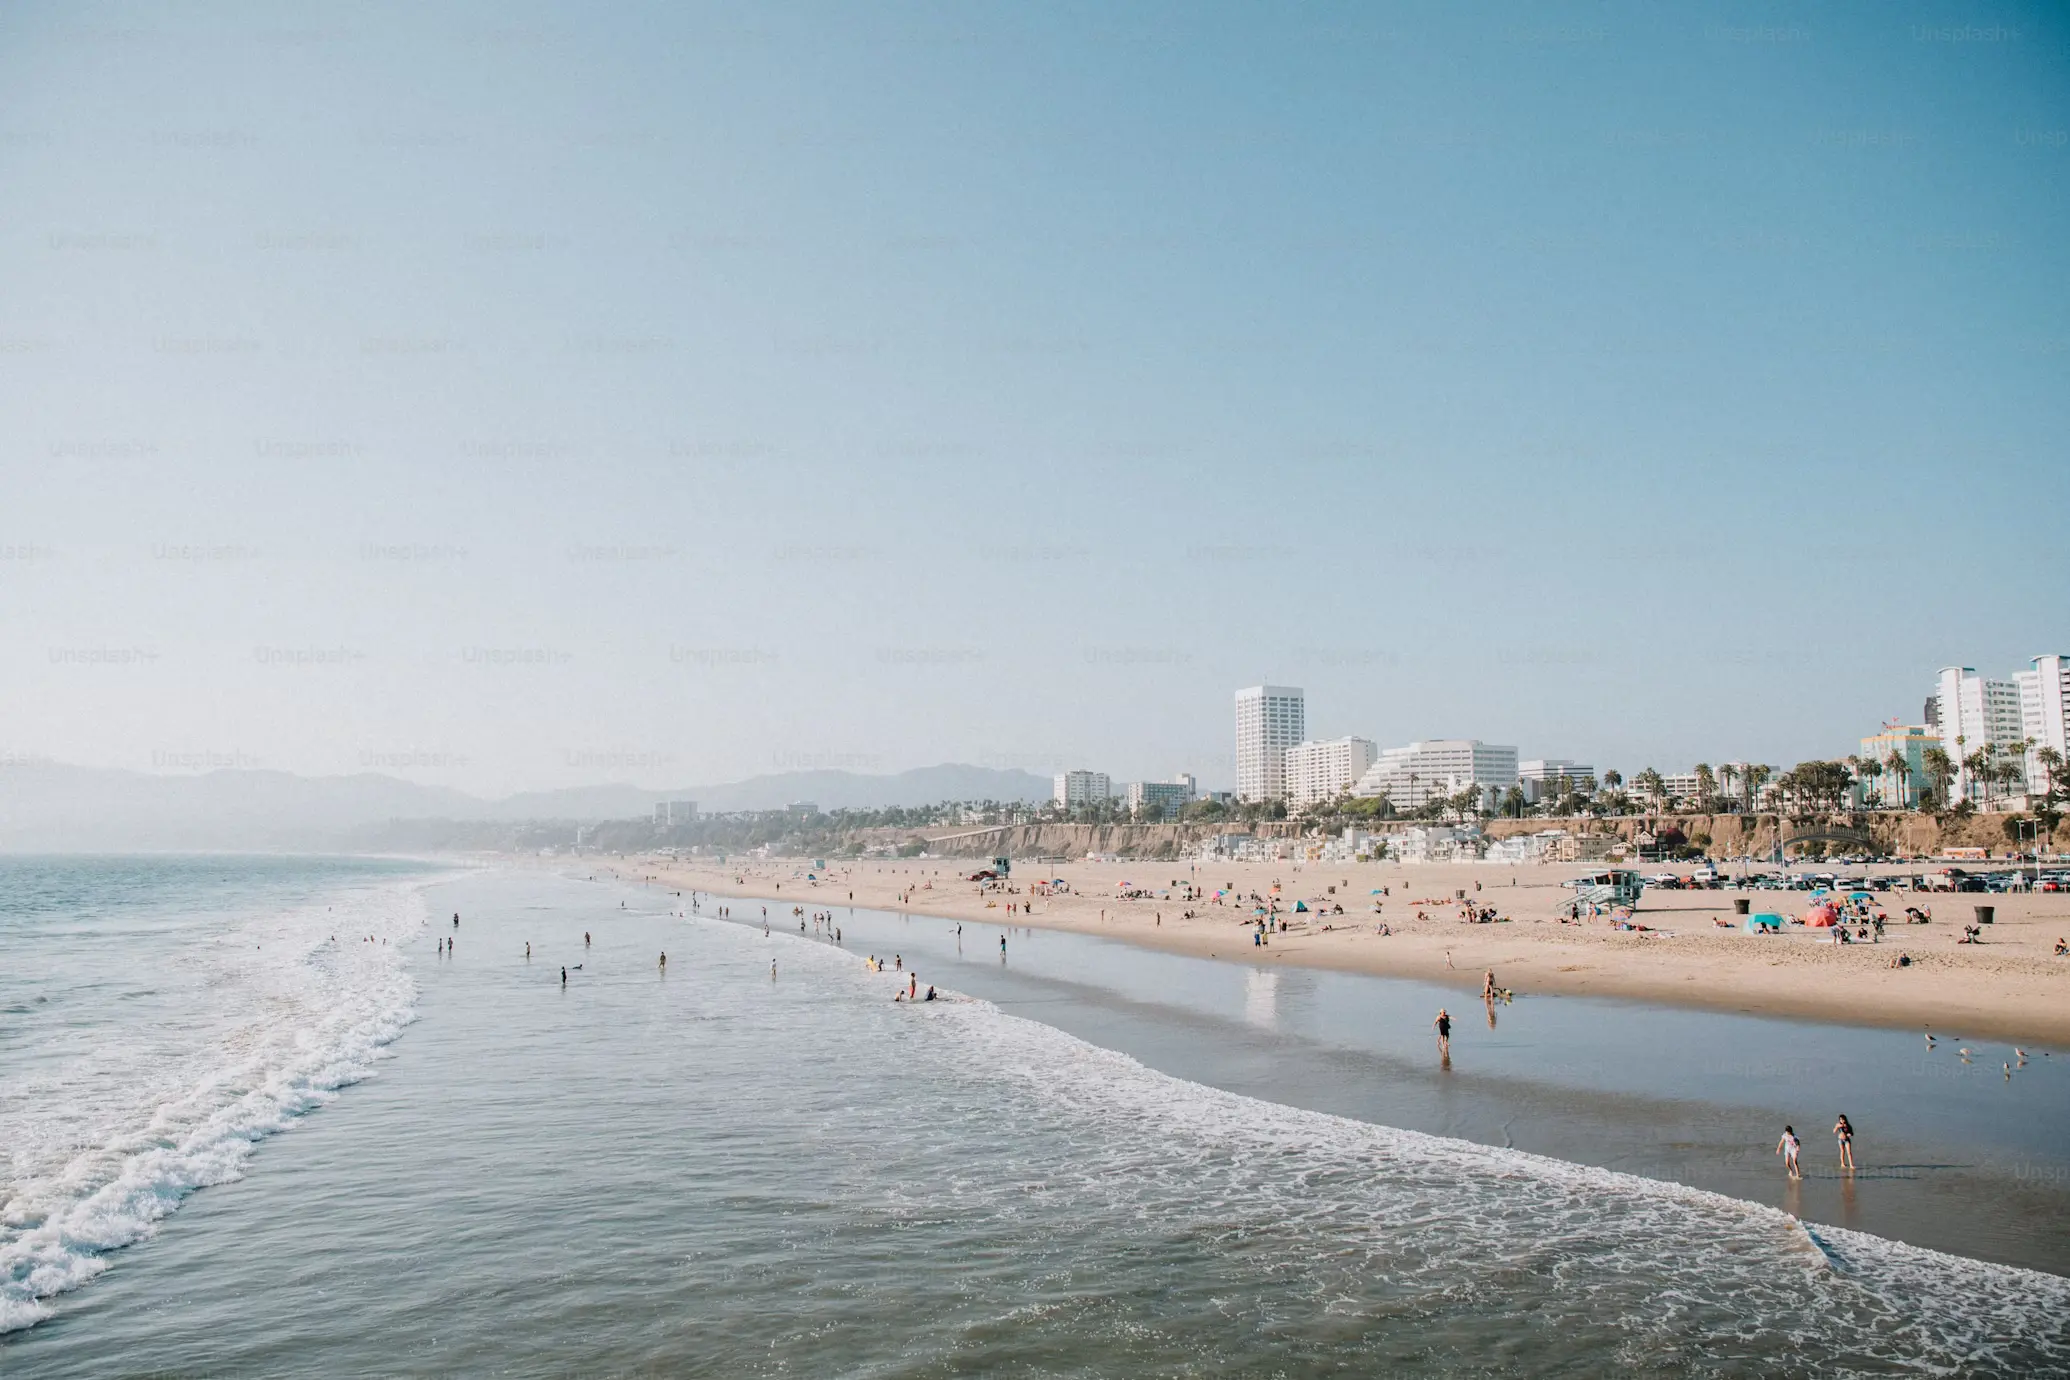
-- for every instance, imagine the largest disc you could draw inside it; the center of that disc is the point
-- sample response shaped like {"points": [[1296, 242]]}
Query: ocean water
{"points": [[160, 1017], [714, 1168]]}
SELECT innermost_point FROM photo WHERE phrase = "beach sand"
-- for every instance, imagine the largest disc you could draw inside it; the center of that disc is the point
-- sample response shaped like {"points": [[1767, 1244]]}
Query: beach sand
{"points": [[2010, 986]]}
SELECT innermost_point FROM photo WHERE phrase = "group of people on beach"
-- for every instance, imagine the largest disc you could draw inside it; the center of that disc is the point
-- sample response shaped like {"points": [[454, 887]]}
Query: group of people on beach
{"points": [[1791, 1148]]}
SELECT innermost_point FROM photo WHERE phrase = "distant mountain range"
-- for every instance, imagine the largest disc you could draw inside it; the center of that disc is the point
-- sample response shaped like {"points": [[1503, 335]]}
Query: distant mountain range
{"points": [[48, 805]]}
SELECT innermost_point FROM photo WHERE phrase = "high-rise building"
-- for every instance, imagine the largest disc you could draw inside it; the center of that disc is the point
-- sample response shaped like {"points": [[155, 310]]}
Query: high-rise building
{"points": [[1973, 714], [1315, 772], [1269, 720], [1081, 788], [668, 812], [1413, 776], [2045, 713]]}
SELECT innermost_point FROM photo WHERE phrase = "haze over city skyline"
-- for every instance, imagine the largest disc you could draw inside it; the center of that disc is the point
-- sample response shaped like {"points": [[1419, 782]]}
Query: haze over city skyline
{"points": [[515, 397]]}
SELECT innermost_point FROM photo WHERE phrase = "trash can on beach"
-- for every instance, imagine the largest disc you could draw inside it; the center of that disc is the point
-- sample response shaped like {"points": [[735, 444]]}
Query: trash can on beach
{"points": [[1741, 905], [1984, 914]]}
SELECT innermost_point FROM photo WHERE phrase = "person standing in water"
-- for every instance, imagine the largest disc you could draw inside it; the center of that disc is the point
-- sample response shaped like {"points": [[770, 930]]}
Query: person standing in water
{"points": [[1443, 1023], [1843, 1131], [564, 975], [1788, 1147]]}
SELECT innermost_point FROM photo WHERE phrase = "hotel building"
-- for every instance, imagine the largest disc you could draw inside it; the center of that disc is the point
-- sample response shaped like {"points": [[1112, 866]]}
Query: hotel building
{"points": [[1159, 799], [1413, 776], [1541, 777]]}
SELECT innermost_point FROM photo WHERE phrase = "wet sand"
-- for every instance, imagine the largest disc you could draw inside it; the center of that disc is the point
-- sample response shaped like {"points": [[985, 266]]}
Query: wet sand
{"points": [[1961, 1159], [2010, 986]]}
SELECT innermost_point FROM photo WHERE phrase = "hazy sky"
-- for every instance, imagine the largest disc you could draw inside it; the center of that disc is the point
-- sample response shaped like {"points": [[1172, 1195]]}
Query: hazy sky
{"points": [[521, 395]]}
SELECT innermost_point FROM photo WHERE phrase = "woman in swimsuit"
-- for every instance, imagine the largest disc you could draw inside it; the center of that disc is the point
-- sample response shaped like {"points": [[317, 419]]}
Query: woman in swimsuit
{"points": [[1843, 1131]]}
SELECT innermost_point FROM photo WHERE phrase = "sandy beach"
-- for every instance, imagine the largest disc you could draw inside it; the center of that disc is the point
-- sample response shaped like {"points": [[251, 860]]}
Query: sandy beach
{"points": [[2009, 986]]}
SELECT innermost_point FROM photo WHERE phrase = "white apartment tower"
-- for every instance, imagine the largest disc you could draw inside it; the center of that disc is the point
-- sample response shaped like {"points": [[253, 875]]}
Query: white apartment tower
{"points": [[1316, 772], [1974, 714], [2045, 711], [1269, 720], [1081, 788]]}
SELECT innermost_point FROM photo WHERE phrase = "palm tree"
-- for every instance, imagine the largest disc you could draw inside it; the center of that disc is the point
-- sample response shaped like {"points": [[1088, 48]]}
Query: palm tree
{"points": [[1752, 780], [1900, 771], [1940, 770], [1871, 771], [1974, 768], [2050, 761], [1728, 775], [1706, 787], [1649, 784], [2010, 775]]}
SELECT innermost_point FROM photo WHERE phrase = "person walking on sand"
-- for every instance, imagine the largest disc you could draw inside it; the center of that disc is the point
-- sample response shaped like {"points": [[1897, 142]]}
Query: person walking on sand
{"points": [[1788, 1147], [1843, 1131], [1444, 1030]]}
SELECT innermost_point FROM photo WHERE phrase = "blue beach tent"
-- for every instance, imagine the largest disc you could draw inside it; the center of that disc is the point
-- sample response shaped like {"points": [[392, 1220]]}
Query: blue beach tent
{"points": [[1764, 921]]}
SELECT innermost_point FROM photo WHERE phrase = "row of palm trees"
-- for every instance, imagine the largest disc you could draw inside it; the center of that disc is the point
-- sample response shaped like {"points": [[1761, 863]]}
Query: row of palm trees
{"points": [[1891, 782], [1985, 772]]}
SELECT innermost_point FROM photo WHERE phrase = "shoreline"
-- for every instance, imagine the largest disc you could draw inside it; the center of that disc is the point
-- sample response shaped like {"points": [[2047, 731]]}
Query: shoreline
{"points": [[2009, 987]]}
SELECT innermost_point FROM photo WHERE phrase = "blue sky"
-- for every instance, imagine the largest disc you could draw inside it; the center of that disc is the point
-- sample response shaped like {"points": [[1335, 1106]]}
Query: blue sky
{"points": [[522, 395]]}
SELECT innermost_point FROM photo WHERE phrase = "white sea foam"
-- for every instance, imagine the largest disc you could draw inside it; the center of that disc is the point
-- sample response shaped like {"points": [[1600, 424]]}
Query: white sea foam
{"points": [[278, 1016], [1679, 1265]]}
